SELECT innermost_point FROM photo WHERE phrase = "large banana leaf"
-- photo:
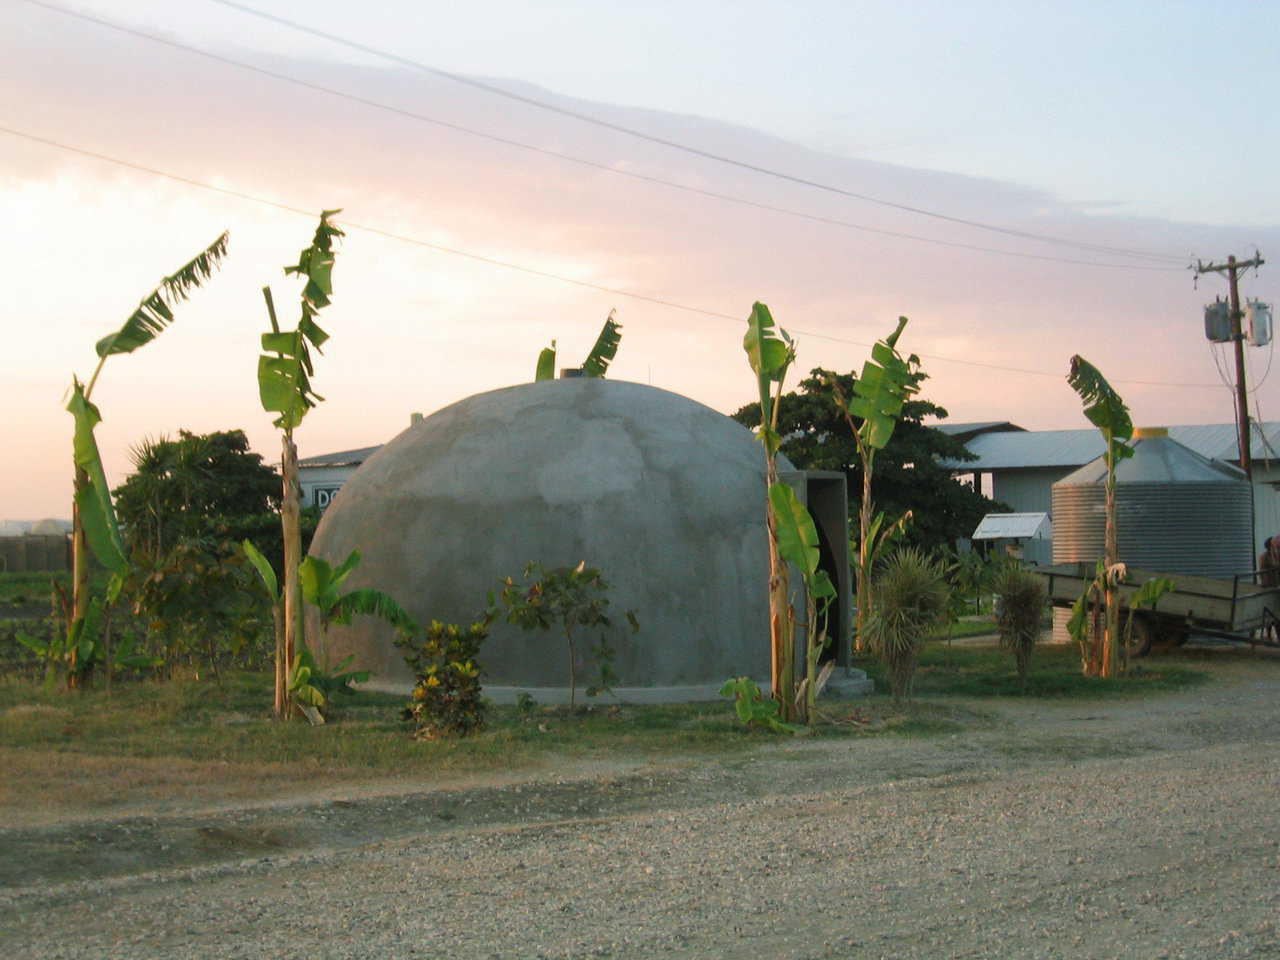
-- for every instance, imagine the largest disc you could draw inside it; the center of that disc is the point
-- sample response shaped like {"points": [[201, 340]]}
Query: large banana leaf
{"points": [[1102, 406], [97, 515], [263, 566], [606, 348], [321, 583], [321, 587], [155, 312], [770, 351], [285, 388], [881, 390], [316, 264], [798, 539], [284, 380], [546, 363], [374, 603]]}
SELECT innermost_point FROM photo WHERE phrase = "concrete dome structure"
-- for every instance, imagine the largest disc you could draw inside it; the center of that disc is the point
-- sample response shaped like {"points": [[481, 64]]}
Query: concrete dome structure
{"points": [[662, 494]]}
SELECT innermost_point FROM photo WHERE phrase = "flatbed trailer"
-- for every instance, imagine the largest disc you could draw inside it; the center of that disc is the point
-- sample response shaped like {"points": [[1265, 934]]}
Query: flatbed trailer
{"points": [[1238, 610]]}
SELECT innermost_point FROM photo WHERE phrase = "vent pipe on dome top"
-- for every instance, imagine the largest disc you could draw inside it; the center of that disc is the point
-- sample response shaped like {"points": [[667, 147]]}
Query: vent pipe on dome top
{"points": [[415, 419], [569, 373]]}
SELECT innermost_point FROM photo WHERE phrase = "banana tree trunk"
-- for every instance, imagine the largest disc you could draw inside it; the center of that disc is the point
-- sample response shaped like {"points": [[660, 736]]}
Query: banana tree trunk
{"points": [[282, 681], [782, 628], [79, 578], [864, 557], [291, 524], [1111, 558]]}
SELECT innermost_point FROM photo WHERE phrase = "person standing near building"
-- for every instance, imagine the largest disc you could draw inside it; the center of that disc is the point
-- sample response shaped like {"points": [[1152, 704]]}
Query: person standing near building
{"points": [[1269, 578], [1269, 563]]}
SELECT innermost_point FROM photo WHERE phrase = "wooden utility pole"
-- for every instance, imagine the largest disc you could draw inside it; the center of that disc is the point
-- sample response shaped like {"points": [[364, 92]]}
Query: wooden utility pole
{"points": [[1231, 268]]}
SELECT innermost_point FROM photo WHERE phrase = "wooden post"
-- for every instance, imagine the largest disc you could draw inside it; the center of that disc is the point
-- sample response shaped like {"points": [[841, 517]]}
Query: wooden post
{"points": [[1231, 268], [1242, 394]]}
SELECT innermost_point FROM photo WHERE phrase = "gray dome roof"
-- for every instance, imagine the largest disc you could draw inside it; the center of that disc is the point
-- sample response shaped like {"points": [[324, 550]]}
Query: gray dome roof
{"points": [[664, 495], [1157, 459]]}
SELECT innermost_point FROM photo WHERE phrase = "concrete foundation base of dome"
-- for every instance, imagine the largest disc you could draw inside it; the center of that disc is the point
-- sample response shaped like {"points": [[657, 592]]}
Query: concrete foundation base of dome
{"points": [[842, 685]]}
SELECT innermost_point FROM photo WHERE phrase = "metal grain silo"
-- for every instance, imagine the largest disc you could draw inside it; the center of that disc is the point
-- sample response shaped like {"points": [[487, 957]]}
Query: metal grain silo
{"points": [[1176, 512]]}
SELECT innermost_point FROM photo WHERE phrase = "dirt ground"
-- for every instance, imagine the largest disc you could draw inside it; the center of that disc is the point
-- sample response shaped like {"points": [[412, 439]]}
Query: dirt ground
{"points": [[1138, 828]]}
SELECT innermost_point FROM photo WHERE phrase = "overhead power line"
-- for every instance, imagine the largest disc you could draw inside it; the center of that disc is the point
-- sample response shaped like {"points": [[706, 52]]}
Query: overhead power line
{"points": [[520, 268], [686, 148], [570, 158]]}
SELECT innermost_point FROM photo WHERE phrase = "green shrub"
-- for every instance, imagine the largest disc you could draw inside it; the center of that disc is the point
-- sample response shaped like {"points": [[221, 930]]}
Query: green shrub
{"points": [[446, 698], [568, 598], [910, 604], [1020, 600]]}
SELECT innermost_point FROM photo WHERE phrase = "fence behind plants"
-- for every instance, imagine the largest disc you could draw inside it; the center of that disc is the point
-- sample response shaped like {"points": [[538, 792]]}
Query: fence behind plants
{"points": [[35, 552]]}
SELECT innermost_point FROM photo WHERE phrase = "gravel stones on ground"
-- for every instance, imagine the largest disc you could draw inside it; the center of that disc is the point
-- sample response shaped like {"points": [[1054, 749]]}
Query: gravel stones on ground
{"points": [[1129, 829]]}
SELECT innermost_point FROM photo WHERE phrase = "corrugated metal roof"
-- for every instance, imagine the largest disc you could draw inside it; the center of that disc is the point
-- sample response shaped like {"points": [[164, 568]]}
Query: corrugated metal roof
{"points": [[343, 458], [973, 429], [1158, 460], [1031, 448], [1218, 440], [1016, 526], [1075, 448]]}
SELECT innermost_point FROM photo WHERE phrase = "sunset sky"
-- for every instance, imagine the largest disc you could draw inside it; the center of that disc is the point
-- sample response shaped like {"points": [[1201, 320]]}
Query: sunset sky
{"points": [[1138, 127]]}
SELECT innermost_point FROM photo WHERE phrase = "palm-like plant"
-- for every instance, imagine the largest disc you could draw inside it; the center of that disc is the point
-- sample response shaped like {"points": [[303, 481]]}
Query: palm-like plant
{"points": [[880, 391], [94, 523], [284, 388], [771, 351], [1107, 411], [909, 606], [1021, 598]]}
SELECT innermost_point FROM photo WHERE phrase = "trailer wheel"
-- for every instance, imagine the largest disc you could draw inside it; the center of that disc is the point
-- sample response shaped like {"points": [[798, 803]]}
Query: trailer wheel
{"points": [[1139, 641]]}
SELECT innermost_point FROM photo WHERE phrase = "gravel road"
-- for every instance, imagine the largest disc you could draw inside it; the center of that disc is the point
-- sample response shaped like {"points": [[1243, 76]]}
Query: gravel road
{"points": [[1134, 829]]}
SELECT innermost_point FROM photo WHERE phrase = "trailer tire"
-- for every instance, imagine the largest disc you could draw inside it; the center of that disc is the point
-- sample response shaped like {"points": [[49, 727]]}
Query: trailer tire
{"points": [[1139, 642]]}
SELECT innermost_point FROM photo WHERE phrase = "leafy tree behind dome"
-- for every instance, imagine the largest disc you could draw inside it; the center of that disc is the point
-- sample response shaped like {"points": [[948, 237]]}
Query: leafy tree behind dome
{"points": [[197, 486], [907, 475]]}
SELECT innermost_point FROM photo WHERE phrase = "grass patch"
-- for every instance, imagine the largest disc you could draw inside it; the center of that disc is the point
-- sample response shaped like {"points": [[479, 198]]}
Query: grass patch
{"points": [[972, 628], [30, 587], [988, 671], [228, 722]]}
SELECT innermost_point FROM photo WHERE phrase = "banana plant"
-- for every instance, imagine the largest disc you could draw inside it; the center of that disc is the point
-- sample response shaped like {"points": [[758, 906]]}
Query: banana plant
{"points": [[272, 585], [798, 544], [770, 352], [1104, 408], [284, 388], [886, 383], [597, 362], [322, 588], [94, 525]]}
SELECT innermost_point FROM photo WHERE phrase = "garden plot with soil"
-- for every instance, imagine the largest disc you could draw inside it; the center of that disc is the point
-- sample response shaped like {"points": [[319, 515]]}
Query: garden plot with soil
{"points": [[1130, 827]]}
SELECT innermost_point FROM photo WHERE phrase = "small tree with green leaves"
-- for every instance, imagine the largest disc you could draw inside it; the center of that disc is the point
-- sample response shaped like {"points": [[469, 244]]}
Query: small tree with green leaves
{"points": [[568, 598], [886, 382], [284, 387], [94, 523]]}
